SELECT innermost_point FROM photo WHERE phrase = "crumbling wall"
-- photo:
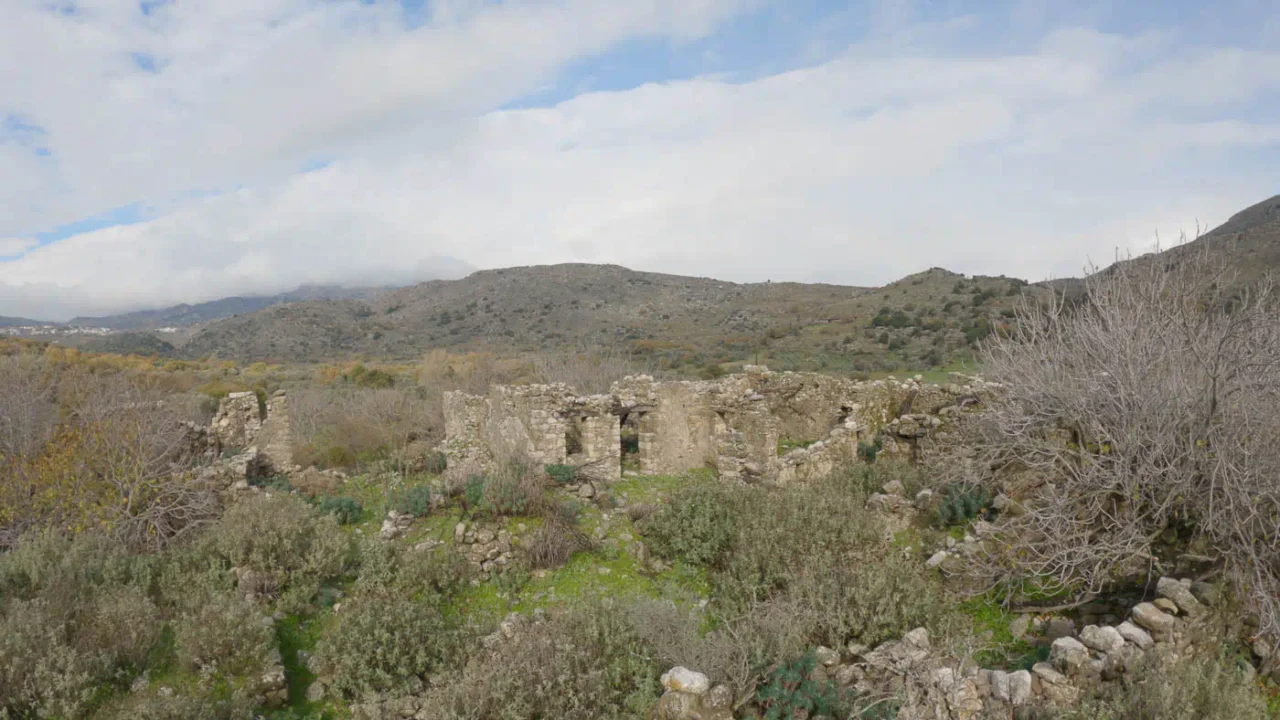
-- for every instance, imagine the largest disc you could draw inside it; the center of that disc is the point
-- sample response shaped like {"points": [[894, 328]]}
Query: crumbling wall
{"points": [[260, 442], [733, 424], [545, 424], [273, 439], [237, 422]]}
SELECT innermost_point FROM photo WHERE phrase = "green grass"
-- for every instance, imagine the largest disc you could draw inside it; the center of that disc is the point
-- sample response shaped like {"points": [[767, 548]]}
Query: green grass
{"points": [[295, 633], [786, 445], [1000, 649]]}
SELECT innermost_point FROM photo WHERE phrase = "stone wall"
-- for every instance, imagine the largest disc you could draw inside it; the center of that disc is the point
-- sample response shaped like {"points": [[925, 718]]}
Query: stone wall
{"points": [[261, 444], [732, 425]]}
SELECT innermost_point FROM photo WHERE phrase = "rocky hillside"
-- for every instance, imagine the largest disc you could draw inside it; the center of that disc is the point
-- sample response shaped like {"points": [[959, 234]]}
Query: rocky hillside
{"points": [[1251, 237], [921, 321], [184, 315]]}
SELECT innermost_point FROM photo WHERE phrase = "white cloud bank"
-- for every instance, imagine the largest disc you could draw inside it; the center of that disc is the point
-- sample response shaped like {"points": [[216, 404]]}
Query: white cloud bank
{"points": [[859, 170]]}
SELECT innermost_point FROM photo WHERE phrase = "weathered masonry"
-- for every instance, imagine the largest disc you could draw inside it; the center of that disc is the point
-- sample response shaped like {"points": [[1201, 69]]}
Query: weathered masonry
{"points": [[736, 425]]}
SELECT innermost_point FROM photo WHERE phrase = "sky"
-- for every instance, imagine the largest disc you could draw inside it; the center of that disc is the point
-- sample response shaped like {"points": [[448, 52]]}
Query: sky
{"points": [[162, 151]]}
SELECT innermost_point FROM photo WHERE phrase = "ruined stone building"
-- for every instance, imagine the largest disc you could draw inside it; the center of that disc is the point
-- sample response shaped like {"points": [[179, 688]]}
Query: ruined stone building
{"points": [[736, 425], [244, 423]]}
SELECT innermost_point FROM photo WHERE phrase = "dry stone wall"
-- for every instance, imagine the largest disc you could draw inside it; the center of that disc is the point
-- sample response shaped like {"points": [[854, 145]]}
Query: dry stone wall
{"points": [[734, 425]]}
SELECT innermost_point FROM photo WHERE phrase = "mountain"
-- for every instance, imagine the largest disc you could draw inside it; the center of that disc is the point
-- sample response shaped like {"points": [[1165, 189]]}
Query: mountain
{"points": [[22, 322], [924, 320], [1251, 237], [183, 316]]}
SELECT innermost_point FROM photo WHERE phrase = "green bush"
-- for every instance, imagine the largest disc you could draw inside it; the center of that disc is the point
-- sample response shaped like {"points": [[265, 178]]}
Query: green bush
{"points": [[818, 549], [345, 509], [964, 503], [868, 450], [383, 644], [697, 526], [1195, 689], [185, 704], [290, 548], [42, 673], [788, 692], [390, 570], [225, 635], [515, 489], [562, 474], [586, 664], [415, 501], [74, 619], [473, 493]]}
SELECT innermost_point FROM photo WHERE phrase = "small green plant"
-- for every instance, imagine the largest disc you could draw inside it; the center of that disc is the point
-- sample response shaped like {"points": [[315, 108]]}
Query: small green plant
{"points": [[473, 494], [786, 445], [435, 463], [345, 509], [562, 474], [868, 450], [787, 692], [415, 501], [965, 503], [506, 496], [279, 483]]}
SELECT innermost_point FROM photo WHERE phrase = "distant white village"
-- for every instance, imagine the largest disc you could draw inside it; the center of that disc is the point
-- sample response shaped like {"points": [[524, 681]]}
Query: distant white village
{"points": [[57, 330]]}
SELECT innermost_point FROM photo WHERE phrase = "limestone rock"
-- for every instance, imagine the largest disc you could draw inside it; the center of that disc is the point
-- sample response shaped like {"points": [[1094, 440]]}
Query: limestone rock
{"points": [[680, 679], [937, 559], [1057, 689], [1180, 595], [826, 656], [1135, 635], [677, 705], [1068, 654], [1103, 639], [1204, 592], [1020, 626], [1000, 685], [918, 638], [719, 697], [1059, 627], [1152, 618], [1020, 688], [315, 692]]}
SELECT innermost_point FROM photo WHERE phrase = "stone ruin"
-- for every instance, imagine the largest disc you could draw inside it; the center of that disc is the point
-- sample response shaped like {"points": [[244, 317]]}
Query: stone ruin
{"points": [[256, 432], [735, 425]]}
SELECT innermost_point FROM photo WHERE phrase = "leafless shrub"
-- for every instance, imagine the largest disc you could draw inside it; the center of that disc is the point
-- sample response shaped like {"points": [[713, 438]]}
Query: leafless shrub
{"points": [[347, 426], [736, 653], [1149, 407], [554, 542], [28, 407], [591, 371], [119, 461]]}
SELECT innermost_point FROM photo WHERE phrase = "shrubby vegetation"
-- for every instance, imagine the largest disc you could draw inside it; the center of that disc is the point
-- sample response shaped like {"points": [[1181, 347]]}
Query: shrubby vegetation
{"points": [[585, 664], [1151, 405], [1192, 689]]}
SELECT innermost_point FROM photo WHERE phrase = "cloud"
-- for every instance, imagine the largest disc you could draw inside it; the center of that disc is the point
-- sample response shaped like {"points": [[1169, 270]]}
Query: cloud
{"points": [[10, 247], [875, 163]]}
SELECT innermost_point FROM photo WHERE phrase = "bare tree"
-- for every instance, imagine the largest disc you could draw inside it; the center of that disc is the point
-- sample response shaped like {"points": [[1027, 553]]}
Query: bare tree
{"points": [[119, 461], [1148, 409], [28, 407]]}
